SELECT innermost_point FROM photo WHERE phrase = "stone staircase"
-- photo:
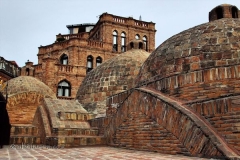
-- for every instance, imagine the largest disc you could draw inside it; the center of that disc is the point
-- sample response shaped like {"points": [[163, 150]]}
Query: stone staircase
{"points": [[140, 132], [75, 137], [25, 134]]}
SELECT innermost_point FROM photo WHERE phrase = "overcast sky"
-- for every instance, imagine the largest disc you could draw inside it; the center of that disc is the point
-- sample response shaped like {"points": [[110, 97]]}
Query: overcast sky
{"points": [[27, 24]]}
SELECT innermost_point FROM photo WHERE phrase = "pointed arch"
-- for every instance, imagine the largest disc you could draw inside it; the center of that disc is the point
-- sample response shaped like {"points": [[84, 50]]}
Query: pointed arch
{"points": [[89, 63], [145, 41], [115, 41], [123, 42], [64, 88], [98, 61], [137, 36], [64, 59]]}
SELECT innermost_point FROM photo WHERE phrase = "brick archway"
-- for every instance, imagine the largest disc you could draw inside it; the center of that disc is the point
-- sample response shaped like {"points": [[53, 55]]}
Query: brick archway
{"points": [[188, 130]]}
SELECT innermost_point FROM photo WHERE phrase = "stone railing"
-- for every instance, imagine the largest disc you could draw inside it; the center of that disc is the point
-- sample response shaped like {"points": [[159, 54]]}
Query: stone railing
{"points": [[95, 44], [65, 68], [75, 116], [69, 36], [119, 19], [140, 24]]}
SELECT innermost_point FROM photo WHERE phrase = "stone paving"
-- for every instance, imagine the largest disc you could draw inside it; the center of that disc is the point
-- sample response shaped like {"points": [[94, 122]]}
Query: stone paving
{"points": [[85, 153]]}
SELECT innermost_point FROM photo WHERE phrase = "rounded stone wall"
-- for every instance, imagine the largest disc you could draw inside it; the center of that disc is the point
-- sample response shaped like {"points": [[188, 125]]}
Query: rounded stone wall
{"points": [[111, 77], [201, 62]]}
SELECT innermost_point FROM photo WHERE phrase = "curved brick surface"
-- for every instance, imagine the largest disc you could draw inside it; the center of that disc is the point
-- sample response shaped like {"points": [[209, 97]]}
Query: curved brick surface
{"points": [[223, 114], [22, 107], [25, 84], [25, 94], [202, 58], [146, 111], [111, 77]]}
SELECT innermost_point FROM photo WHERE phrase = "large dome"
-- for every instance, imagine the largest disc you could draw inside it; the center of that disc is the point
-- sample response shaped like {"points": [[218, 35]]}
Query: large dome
{"points": [[196, 60], [111, 77]]}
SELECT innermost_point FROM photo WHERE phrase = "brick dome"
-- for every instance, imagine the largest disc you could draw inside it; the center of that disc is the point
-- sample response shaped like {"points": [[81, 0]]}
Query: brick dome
{"points": [[111, 77], [24, 84], [201, 62]]}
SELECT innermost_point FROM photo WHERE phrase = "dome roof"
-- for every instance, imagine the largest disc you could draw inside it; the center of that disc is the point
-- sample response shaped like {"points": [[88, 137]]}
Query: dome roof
{"points": [[24, 84], [112, 76], [211, 45]]}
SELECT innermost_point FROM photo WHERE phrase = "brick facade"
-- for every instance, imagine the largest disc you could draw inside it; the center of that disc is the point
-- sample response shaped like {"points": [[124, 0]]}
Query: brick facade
{"points": [[78, 46]]}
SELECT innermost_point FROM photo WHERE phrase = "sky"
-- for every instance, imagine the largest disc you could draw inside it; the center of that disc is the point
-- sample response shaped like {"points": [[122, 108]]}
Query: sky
{"points": [[27, 24]]}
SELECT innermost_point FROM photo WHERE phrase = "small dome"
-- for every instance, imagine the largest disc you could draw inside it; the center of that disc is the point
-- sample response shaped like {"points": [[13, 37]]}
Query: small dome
{"points": [[224, 11], [111, 77], [24, 84]]}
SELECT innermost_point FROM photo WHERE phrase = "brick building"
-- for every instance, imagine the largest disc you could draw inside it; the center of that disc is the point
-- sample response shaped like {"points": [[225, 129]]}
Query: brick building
{"points": [[63, 65], [181, 99], [8, 69]]}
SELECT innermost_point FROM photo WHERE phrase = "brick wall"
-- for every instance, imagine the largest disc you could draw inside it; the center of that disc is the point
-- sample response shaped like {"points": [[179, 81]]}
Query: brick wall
{"points": [[145, 110], [147, 119]]}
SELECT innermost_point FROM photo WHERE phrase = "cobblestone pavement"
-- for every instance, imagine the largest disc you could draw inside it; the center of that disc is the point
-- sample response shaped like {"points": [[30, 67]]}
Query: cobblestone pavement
{"points": [[86, 153]]}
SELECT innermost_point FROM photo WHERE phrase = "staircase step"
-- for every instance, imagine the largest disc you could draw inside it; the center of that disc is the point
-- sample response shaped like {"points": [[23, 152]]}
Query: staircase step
{"points": [[77, 131], [75, 141], [24, 129], [16, 139]]}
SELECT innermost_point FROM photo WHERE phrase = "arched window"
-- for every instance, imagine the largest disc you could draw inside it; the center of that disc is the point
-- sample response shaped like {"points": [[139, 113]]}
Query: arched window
{"points": [[89, 63], [140, 45], [98, 61], [219, 11], [64, 59], [145, 42], [131, 45], [123, 42], [115, 45], [137, 36], [234, 12], [27, 71], [64, 89]]}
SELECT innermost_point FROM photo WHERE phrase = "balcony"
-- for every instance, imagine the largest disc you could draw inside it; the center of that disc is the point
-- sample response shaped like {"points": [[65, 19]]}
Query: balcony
{"points": [[9, 68]]}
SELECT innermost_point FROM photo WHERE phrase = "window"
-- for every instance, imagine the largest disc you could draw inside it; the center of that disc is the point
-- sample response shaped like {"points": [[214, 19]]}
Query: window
{"points": [[219, 11], [115, 45], [123, 42], [137, 36], [64, 89], [98, 61], [64, 59], [234, 12], [140, 45], [89, 63], [131, 45], [27, 71], [145, 42]]}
